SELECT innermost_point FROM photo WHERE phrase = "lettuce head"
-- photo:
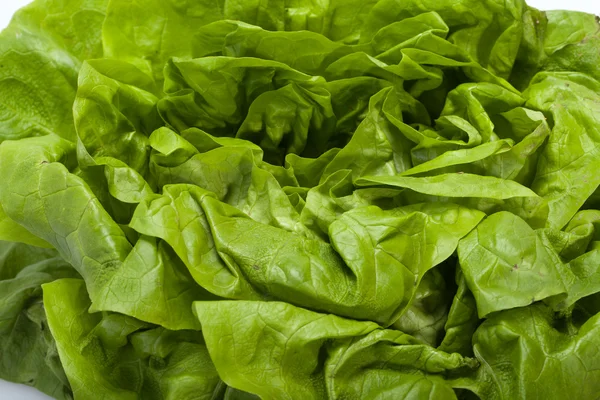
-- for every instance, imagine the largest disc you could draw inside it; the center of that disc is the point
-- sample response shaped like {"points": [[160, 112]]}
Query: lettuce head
{"points": [[300, 199]]}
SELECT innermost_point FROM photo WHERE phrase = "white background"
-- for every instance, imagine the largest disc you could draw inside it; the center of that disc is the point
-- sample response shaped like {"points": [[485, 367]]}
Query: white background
{"points": [[9, 391]]}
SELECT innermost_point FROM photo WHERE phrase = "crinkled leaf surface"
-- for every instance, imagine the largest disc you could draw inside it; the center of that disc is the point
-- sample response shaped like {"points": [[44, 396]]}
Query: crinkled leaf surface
{"points": [[110, 355], [529, 353], [298, 354]]}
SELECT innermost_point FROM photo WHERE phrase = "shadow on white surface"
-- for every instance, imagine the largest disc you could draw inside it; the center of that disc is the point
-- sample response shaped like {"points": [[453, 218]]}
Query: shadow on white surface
{"points": [[12, 391]]}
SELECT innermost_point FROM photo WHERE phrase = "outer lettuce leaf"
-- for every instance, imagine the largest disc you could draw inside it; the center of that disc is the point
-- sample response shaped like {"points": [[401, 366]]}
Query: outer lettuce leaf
{"points": [[571, 42], [291, 353], [40, 54], [147, 33], [337, 19], [10, 230], [506, 264], [144, 279], [522, 266], [389, 364], [28, 350], [283, 355], [525, 353], [567, 168], [108, 355]]}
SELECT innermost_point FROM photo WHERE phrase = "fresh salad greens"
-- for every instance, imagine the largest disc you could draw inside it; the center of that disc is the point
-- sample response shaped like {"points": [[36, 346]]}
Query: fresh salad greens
{"points": [[300, 199]]}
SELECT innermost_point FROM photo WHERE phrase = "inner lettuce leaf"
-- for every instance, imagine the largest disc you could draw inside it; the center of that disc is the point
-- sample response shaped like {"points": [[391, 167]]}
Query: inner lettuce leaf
{"points": [[300, 199]]}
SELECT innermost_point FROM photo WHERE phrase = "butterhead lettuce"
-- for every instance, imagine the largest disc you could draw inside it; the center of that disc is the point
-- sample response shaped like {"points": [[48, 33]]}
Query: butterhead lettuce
{"points": [[300, 199]]}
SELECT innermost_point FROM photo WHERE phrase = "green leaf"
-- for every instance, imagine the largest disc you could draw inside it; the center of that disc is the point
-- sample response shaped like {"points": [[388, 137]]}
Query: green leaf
{"points": [[110, 355], [279, 357], [11, 231], [40, 54], [462, 320], [291, 353], [571, 42], [147, 33], [28, 350], [506, 265], [526, 354], [426, 316], [566, 174], [144, 280], [453, 185]]}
